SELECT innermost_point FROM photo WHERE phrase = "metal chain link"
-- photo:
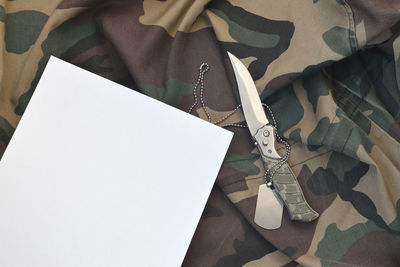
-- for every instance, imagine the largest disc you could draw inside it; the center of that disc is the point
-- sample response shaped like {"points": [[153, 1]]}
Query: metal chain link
{"points": [[270, 172], [202, 70]]}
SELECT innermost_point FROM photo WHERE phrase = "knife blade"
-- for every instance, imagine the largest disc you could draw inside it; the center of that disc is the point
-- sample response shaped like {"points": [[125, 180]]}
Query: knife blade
{"points": [[260, 128]]}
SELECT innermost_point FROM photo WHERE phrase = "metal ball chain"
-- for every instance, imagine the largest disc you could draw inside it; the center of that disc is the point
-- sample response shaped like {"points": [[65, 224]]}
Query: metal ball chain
{"points": [[200, 81], [270, 172]]}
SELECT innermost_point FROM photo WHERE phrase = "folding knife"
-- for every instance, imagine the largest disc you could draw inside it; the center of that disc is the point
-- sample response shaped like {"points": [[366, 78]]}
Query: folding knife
{"points": [[284, 188]]}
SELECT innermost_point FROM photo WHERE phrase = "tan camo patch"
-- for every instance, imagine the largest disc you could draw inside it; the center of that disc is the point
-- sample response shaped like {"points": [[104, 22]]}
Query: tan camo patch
{"points": [[326, 107], [247, 61], [367, 112], [309, 260], [175, 15], [396, 53], [381, 183], [236, 117], [15, 63], [18, 78], [385, 163], [275, 258], [307, 46], [361, 34], [220, 26], [373, 186], [349, 217], [45, 6], [396, 49], [301, 155], [9, 81], [386, 143]]}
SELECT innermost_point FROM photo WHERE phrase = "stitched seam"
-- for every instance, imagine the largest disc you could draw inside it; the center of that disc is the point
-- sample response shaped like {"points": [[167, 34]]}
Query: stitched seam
{"points": [[347, 139], [311, 158], [350, 99], [328, 130], [352, 35]]}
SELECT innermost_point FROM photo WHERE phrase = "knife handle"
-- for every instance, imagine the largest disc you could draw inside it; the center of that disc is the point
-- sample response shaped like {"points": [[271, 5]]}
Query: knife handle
{"points": [[285, 183]]}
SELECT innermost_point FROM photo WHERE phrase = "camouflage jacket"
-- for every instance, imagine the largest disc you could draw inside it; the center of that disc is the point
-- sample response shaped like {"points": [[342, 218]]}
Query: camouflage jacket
{"points": [[330, 70]]}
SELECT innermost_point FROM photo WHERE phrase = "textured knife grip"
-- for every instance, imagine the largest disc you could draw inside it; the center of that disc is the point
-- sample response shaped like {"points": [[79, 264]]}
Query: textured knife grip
{"points": [[290, 191]]}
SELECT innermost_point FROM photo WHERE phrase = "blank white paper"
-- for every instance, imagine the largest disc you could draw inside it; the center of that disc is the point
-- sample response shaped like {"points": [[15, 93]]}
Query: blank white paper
{"points": [[98, 175]]}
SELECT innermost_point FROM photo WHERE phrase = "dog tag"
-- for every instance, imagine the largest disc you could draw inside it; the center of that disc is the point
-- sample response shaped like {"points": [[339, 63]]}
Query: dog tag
{"points": [[269, 209]]}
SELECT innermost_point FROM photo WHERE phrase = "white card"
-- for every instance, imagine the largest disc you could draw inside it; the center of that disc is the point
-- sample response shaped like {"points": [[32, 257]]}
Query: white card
{"points": [[99, 175]]}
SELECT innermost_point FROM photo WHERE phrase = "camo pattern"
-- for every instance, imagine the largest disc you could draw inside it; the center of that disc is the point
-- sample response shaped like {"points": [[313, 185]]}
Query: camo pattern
{"points": [[330, 70]]}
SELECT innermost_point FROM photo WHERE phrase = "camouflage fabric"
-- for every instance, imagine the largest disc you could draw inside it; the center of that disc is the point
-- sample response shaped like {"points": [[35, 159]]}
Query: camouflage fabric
{"points": [[330, 70]]}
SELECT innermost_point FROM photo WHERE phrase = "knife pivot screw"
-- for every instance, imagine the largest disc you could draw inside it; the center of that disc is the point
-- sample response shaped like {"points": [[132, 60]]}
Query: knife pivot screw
{"points": [[266, 133]]}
